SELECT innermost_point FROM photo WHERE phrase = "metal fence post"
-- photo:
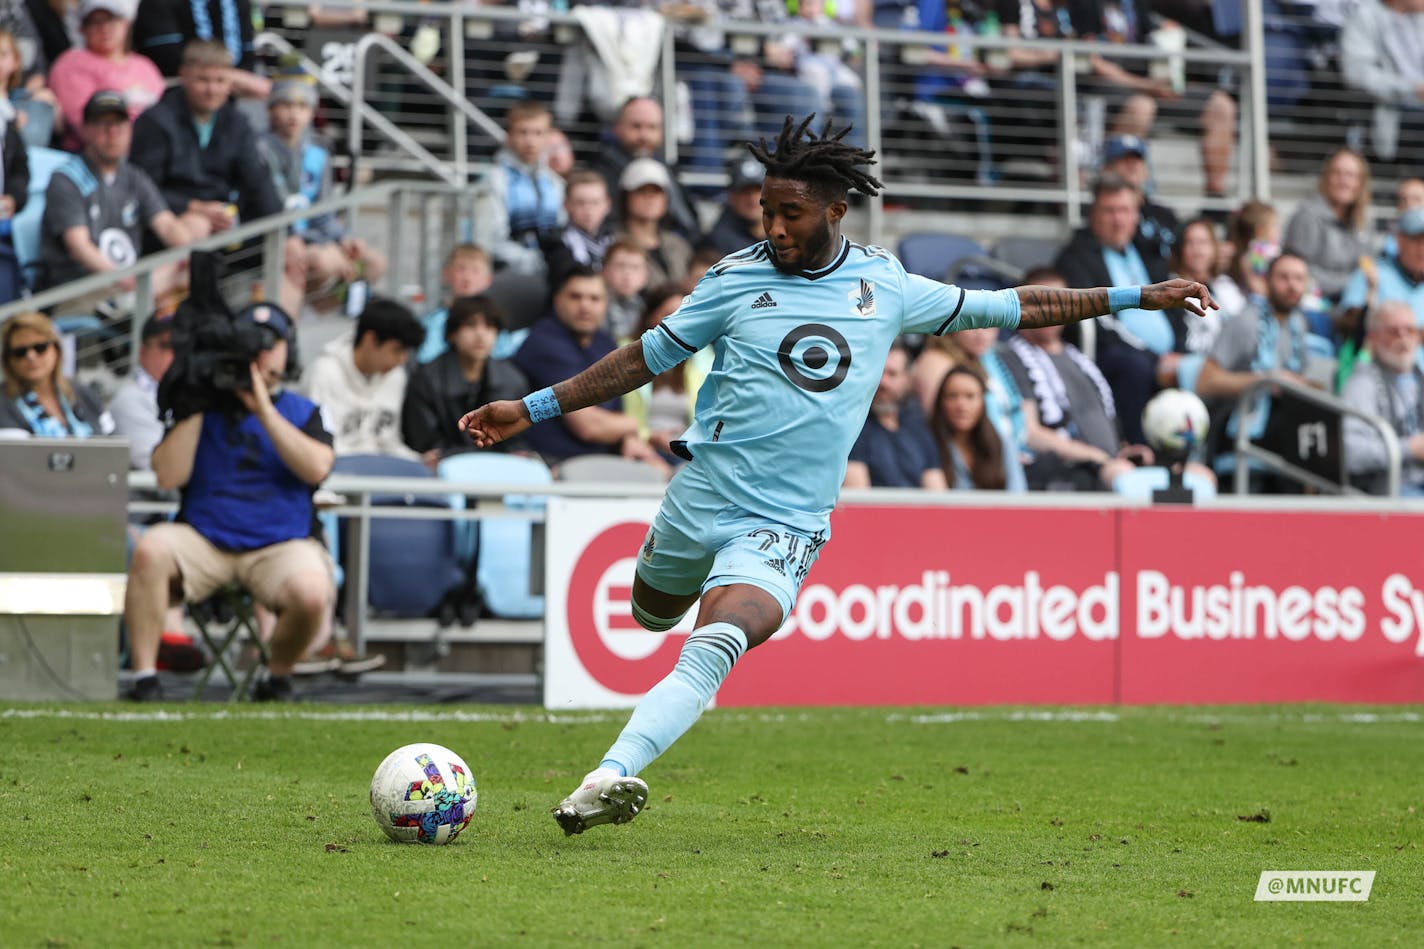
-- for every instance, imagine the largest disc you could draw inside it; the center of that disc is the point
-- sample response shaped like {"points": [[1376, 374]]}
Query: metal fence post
{"points": [[873, 132], [1068, 129], [274, 247]]}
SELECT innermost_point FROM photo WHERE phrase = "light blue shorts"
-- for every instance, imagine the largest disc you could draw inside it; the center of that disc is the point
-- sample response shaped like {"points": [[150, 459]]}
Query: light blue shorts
{"points": [[698, 541]]}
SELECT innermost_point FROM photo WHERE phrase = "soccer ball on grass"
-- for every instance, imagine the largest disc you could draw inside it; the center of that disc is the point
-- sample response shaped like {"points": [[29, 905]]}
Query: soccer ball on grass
{"points": [[423, 793], [1175, 422]]}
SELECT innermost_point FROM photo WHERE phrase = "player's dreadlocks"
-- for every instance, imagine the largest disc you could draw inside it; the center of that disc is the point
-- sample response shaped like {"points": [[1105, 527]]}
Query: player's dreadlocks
{"points": [[827, 164]]}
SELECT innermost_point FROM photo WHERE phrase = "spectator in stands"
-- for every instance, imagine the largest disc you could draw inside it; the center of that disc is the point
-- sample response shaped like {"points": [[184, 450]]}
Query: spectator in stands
{"points": [[1382, 55], [739, 225], [1330, 230], [200, 151], [1157, 226], [1139, 99], [663, 406], [326, 257], [246, 516], [1197, 256], [1390, 385], [467, 273], [1070, 416], [103, 62], [463, 377], [626, 271], [135, 404], [1385, 278], [38, 398], [1409, 193], [359, 380], [1137, 349], [98, 204], [637, 132], [585, 238], [14, 171], [23, 79], [1254, 241], [895, 448], [703, 259], [519, 204], [972, 452], [164, 28], [642, 213], [565, 343], [974, 349], [56, 26], [1266, 340]]}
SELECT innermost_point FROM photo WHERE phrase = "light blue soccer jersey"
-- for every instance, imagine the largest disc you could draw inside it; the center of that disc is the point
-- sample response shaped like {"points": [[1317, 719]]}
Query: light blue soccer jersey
{"points": [[797, 361]]}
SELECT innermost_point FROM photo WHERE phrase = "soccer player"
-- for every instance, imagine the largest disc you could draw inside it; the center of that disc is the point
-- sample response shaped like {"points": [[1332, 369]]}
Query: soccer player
{"points": [[800, 325]]}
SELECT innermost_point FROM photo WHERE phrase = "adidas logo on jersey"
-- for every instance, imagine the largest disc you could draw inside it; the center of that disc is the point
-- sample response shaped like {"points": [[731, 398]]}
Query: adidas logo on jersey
{"points": [[763, 301], [778, 565]]}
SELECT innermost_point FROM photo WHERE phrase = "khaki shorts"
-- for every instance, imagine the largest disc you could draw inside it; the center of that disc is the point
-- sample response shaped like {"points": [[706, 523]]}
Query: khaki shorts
{"points": [[205, 569]]}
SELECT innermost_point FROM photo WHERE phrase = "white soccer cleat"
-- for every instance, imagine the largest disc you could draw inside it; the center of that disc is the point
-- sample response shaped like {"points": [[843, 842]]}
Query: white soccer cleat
{"points": [[605, 797]]}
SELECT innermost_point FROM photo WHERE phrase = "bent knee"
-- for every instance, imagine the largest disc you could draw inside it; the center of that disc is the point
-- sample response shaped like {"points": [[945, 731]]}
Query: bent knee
{"points": [[308, 594]]}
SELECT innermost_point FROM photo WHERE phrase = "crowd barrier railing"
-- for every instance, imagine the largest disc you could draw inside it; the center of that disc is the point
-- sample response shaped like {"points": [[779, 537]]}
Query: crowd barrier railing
{"points": [[888, 62], [352, 497]]}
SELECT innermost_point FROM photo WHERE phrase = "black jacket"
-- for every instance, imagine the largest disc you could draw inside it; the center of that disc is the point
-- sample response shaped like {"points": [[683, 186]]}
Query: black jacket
{"points": [[165, 145], [730, 234], [438, 394], [162, 27], [17, 167], [1130, 368]]}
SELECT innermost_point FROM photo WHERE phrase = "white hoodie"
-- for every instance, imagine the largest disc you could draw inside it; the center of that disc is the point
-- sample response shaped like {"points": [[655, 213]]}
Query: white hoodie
{"points": [[364, 411]]}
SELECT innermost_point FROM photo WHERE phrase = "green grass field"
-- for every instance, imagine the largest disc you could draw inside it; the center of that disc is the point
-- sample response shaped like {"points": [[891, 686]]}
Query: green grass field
{"points": [[1136, 827]]}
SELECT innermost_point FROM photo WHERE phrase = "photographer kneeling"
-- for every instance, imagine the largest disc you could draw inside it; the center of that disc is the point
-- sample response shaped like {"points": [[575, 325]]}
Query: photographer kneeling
{"points": [[247, 456]]}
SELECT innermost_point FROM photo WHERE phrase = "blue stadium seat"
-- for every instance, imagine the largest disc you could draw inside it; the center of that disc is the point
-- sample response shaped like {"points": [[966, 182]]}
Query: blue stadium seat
{"points": [[1027, 252], [932, 255], [501, 547], [1188, 368], [1139, 483], [25, 228], [412, 562]]}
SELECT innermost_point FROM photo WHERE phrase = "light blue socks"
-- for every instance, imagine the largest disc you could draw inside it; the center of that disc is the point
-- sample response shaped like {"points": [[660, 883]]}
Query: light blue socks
{"points": [[678, 700]]}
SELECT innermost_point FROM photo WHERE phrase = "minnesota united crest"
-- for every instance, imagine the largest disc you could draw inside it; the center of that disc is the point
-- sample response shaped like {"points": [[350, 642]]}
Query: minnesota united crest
{"points": [[862, 302]]}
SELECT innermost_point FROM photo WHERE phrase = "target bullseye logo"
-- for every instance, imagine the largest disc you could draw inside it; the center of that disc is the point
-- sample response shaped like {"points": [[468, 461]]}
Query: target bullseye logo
{"points": [[618, 653], [815, 357]]}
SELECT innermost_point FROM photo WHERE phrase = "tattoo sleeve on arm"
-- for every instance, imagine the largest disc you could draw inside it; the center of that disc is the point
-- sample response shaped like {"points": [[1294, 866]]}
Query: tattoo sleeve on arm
{"points": [[1053, 306], [618, 373]]}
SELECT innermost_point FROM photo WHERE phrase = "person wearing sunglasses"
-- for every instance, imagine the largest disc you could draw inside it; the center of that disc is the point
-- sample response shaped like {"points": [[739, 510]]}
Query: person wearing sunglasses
{"points": [[37, 398]]}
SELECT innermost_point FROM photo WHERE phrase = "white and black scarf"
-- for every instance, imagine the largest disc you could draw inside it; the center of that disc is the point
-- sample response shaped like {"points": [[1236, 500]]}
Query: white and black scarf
{"points": [[1049, 390]]}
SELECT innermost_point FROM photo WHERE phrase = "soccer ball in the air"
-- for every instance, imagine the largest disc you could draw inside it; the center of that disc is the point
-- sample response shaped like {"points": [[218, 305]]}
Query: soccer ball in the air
{"points": [[423, 793], [1175, 421]]}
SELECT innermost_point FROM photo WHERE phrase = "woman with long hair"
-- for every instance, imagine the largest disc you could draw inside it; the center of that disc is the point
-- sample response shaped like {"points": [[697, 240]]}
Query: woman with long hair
{"points": [[971, 450], [1331, 228], [1197, 256], [38, 399]]}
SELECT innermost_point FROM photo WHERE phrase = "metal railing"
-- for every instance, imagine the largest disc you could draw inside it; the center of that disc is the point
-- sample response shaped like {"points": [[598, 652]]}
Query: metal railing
{"points": [[889, 64], [272, 233], [1248, 452], [357, 493]]}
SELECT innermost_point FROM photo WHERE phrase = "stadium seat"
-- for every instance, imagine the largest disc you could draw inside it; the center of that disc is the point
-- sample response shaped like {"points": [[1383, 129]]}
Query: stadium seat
{"points": [[523, 300], [608, 468], [412, 562], [932, 255], [501, 548], [25, 228], [1139, 483], [1026, 253], [1188, 368]]}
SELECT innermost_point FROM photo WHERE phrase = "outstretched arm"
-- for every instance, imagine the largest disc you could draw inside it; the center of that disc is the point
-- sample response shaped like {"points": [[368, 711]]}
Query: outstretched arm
{"points": [[616, 374], [1052, 306]]}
